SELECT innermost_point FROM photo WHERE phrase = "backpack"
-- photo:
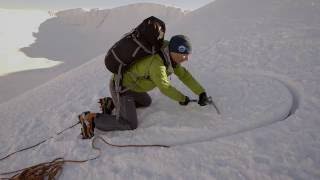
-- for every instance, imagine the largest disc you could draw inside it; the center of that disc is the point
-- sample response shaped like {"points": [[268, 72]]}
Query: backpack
{"points": [[146, 39]]}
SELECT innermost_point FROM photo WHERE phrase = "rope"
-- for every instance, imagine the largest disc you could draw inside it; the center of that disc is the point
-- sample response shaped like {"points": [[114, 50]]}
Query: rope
{"points": [[37, 144], [46, 170], [68, 128], [97, 137], [40, 171], [5, 157], [127, 145], [52, 170]]}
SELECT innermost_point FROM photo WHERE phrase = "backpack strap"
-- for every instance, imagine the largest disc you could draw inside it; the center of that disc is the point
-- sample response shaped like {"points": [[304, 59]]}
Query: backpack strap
{"points": [[164, 54], [117, 83], [142, 46], [118, 59], [136, 51]]}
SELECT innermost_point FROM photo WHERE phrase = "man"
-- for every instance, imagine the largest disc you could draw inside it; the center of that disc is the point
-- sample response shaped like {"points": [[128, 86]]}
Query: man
{"points": [[143, 76]]}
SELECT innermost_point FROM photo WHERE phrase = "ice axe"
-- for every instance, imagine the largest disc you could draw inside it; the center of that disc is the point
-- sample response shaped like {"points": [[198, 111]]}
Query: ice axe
{"points": [[209, 101]]}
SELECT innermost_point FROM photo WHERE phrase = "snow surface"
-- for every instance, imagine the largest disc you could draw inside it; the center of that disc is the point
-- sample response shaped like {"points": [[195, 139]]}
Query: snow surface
{"points": [[259, 60]]}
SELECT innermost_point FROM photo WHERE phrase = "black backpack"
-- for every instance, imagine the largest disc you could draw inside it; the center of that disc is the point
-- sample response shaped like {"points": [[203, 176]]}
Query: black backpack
{"points": [[146, 39]]}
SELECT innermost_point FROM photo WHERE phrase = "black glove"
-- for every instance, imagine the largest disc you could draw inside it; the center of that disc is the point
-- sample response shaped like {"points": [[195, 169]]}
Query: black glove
{"points": [[186, 101], [203, 99]]}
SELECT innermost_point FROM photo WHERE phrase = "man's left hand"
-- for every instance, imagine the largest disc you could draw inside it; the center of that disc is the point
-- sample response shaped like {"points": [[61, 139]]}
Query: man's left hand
{"points": [[203, 99], [185, 102]]}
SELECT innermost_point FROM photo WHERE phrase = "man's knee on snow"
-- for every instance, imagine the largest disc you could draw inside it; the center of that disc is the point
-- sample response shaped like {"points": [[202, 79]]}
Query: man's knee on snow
{"points": [[146, 102], [134, 126]]}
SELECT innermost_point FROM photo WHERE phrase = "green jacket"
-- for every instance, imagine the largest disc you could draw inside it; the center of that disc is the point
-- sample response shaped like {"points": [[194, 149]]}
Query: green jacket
{"points": [[151, 72]]}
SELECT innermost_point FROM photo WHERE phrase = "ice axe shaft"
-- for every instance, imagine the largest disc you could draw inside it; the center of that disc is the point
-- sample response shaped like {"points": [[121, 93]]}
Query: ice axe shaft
{"points": [[209, 101]]}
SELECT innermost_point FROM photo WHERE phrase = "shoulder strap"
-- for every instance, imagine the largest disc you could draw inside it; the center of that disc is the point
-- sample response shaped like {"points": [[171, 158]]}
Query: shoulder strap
{"points": [[165, 56]]}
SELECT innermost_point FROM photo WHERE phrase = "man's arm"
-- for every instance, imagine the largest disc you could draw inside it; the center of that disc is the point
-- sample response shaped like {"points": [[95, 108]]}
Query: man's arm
{"points": [[159, 76], [187, 79]]}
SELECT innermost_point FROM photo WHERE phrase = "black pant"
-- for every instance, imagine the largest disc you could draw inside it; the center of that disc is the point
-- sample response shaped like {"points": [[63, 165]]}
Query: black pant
{"points": [[128, 120]]}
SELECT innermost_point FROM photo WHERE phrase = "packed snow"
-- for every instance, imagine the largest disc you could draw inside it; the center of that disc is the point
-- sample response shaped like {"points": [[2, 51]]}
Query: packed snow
{"points": [[259, 60]]}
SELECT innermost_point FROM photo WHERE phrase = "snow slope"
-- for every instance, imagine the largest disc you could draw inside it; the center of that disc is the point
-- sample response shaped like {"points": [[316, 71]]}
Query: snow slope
{"points": [[265, 80]]}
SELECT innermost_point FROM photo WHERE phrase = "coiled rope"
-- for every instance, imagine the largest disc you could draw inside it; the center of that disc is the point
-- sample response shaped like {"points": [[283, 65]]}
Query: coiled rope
{"points": [[52, 170]]}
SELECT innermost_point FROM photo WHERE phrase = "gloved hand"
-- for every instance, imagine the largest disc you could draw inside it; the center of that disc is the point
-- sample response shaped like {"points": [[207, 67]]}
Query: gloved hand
{"points": [[186, 101], [203, 99]]}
